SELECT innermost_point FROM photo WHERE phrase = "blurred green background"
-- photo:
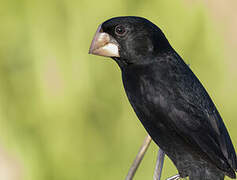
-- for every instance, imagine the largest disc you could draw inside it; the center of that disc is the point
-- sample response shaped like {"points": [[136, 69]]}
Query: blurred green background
{"points": [[64, 114]]}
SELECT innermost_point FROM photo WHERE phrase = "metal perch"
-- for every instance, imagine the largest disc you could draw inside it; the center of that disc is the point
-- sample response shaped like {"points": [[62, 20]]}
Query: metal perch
{"points": [[159, 165]]}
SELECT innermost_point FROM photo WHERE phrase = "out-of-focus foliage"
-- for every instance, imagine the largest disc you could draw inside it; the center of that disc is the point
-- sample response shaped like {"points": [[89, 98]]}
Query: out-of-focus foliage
{"points": [[63, 113]]}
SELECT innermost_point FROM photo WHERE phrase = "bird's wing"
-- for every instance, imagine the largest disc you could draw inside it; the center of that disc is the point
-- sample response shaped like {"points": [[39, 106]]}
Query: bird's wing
{"points": [[207, 131], [196, 118]]}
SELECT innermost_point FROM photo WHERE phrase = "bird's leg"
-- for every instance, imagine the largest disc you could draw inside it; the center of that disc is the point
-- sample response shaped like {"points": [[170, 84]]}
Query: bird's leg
{"points": [[159, 165], [138, 158], [176, 177]]}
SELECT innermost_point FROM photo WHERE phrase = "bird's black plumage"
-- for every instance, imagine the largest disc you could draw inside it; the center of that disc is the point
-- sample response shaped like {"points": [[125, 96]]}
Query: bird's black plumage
{"points": [[170, 101]]}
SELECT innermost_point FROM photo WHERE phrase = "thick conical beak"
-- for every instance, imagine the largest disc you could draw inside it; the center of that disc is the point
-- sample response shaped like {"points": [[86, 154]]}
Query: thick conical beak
{"points": [[104, 45]]}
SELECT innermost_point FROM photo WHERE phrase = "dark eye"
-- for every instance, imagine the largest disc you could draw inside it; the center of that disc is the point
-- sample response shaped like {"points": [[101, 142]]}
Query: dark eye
{"points": [[120, 30]]}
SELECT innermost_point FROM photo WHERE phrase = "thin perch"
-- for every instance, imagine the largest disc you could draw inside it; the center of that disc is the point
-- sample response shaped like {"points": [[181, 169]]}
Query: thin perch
{"points": [[138, 158]]}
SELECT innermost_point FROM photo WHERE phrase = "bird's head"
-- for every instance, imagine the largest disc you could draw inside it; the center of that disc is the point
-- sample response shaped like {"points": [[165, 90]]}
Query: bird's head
{"points": [[129, 40]]}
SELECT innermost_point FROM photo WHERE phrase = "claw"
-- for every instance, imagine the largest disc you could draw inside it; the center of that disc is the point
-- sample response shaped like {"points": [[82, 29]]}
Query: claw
{"points": [[176, 177]]}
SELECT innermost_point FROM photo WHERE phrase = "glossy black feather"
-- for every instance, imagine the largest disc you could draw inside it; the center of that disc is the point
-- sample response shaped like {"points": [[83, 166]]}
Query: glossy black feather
{"points": [[171, 103]]}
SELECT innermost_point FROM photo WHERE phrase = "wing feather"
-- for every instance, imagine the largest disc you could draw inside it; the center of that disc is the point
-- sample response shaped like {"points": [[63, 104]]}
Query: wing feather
{"points": [[196, 117]]}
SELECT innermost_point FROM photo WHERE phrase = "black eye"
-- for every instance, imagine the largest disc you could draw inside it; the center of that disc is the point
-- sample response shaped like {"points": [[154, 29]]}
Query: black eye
{"points": [[120, 30]]}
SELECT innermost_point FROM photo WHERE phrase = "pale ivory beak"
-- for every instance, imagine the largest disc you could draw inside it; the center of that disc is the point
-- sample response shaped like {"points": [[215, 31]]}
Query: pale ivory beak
{"points": [[104, 45]]}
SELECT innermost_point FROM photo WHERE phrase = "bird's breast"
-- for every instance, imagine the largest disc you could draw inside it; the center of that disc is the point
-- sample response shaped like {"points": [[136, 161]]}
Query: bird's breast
{"points": [[147, 98]]}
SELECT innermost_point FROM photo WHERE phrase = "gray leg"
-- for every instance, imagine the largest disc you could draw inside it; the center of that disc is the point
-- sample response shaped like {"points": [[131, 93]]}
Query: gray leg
{"points": [[176, 177], [159, 165], [138, 158]]}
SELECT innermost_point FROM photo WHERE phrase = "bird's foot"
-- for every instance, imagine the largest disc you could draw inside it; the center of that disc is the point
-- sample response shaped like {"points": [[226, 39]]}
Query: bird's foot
{"points": [[176, 177]]}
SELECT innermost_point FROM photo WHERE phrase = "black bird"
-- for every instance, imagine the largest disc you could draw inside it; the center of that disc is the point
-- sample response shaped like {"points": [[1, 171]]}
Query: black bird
{"points": [[168, 98]]}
